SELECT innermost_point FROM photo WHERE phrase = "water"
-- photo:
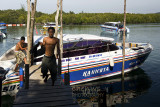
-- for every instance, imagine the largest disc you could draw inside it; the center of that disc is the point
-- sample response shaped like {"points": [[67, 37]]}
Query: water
{"points": [[142, 86]]}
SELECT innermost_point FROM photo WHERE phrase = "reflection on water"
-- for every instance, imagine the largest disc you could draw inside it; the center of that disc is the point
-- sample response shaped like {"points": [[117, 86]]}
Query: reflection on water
{"points": [[109, 91], [118, 37]]}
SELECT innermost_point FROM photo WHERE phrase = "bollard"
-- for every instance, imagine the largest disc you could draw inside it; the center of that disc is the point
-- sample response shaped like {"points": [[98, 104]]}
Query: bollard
{"points": [[26, 76], [21, 76], [66, 79], [102, 98], [0, 92]]}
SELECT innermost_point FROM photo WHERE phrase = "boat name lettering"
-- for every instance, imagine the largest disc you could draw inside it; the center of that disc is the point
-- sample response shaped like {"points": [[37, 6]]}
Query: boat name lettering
{"points": [[133, 63], [10, 88], [95, 71], [95, 55]]}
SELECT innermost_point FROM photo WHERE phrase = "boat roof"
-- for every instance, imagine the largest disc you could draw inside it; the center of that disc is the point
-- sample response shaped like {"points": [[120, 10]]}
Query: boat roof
{"points": [[50, 23], [73, 37], [114, 22], [78, 37]]}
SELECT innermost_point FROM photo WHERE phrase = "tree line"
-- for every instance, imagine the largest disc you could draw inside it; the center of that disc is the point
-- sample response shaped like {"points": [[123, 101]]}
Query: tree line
{"points": [[19, 16]]}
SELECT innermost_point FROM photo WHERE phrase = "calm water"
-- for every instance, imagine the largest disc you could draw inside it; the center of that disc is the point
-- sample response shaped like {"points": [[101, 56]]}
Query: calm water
{"points": [[142, 86]]}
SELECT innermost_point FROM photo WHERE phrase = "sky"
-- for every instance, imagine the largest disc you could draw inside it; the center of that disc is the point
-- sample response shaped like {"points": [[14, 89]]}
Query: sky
{"points": [[88, 6]]}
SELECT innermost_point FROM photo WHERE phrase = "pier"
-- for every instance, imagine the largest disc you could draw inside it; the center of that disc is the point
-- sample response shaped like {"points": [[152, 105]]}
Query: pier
{"points": [[42, 94]]}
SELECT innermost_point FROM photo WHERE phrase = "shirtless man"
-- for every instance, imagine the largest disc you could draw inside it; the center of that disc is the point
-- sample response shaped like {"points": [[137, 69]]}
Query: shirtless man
{"points": [[49, 59], [20, 56]]}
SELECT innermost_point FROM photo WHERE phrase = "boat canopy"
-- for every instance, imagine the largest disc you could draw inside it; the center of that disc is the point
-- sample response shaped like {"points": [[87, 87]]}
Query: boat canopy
{"points": [[50, 23], [73, 38], [112, 23], [79, 37]]}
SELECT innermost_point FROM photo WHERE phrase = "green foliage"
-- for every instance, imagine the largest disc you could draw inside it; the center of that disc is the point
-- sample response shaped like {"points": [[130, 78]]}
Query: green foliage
{"points": [[20, 16]]}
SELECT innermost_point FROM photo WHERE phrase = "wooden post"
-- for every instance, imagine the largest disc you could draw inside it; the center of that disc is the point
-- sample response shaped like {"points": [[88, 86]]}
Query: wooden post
{"points": [[56, 29], [61, 43], [29, 48], [56, 35], [0, 92], [123, 66], [32, 26], [56, 19], [61, 32]]}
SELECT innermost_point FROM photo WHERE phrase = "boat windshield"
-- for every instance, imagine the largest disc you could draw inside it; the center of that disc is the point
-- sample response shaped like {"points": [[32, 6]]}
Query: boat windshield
{"points": [[120, 26], [109, 24]]}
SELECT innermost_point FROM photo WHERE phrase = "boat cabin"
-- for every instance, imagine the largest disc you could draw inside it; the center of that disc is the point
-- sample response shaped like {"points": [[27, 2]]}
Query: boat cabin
{"points": [[86, 47], [114, 24]]}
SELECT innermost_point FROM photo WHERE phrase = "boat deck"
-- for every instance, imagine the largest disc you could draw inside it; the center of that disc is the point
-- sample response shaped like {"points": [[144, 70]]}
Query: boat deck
{"points": [[42, 94]]}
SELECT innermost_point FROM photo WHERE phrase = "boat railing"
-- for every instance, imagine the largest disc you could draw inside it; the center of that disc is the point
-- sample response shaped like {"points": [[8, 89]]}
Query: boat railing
{"points": [[129, 45]]}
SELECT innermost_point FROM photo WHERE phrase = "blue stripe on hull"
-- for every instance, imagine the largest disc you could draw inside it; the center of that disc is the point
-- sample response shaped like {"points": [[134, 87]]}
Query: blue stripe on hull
{"points": [[103, 71]]}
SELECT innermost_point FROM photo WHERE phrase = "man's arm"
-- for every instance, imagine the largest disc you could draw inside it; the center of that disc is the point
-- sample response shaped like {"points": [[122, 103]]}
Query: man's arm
{"points": [[21, 47], [43, 43]]}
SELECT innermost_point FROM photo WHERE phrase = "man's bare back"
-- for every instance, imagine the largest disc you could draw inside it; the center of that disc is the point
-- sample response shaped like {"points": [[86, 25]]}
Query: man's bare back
{"points": [[50, 44]]}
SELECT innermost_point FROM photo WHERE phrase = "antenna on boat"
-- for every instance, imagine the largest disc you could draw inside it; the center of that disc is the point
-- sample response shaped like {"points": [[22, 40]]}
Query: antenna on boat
{"points": [[123, 65]]}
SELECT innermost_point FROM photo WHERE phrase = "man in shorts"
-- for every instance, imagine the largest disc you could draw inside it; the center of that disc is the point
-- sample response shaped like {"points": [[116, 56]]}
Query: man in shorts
{"points": [[20, 56], [49, 59]]}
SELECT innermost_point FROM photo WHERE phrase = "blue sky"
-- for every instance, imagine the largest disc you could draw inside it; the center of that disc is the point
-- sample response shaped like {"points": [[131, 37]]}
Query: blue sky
{"points": [[92, 6]]}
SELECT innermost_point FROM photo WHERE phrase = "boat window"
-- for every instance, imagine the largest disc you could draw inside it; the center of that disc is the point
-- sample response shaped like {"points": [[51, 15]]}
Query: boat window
{"points": [[92, 48], [109, 24]]}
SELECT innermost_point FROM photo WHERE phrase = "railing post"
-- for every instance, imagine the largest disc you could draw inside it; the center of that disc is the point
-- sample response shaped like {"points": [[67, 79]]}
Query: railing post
{"points": [[66, 79], [0, 92]]}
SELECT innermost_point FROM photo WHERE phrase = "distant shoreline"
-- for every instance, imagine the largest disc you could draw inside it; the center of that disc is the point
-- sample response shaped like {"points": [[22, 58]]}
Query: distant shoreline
{"points": [[20, 17]]}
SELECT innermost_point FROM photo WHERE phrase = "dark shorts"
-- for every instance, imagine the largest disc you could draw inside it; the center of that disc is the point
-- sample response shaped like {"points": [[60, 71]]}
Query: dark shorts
{"points": [[49, 63]]}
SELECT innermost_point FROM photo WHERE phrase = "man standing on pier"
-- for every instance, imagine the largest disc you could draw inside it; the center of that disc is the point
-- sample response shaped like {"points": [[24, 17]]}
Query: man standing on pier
{"points": [[49, 59]]}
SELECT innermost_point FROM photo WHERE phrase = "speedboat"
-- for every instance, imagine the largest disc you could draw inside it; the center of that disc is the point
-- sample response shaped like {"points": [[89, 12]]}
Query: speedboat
{"points": [[3, 31], [85, 58], [3, 28], [10, 79], [114, 27], [47, 25], [89, 57]]}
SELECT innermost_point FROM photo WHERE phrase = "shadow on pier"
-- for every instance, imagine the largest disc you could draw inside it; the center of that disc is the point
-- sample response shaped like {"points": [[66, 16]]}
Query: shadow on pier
{"points": [[42, 94]]}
